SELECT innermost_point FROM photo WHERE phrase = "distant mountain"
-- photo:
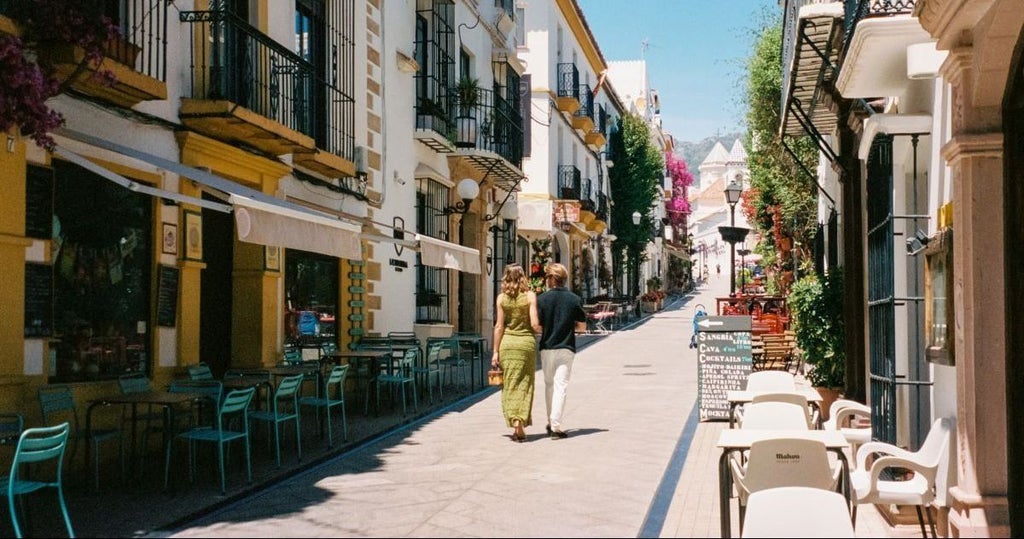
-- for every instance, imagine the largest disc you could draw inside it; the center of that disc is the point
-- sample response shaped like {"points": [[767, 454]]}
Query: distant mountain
{"points": [[694, 153]]}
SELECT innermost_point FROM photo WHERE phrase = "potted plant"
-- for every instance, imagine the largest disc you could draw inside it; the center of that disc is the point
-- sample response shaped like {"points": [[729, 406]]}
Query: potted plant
{"points": [[816, 306], [467, 97]]}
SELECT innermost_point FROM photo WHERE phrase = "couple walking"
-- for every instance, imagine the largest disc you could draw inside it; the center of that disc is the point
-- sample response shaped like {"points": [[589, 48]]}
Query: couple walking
{"points": [[557, 315]]}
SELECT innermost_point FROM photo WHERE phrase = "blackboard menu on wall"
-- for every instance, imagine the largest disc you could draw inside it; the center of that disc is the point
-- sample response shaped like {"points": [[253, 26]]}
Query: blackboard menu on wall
{"points": [[723, 362], [167, 296], [39, 203], [38, 300]]}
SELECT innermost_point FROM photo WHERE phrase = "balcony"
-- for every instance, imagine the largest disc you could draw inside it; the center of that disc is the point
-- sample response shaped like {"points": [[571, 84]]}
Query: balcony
{"points": [[878, 33], [434, 125], [489, 138], [586, 196], [595, 138], [812, 35], [249, 90], [602, 207], [569, 182], [137, 60], [568, 96], [583, 118]]}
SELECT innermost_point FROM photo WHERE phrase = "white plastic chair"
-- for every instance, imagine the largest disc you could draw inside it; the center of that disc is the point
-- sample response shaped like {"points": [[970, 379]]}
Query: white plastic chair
{"points": [[842, 415], [931, 466], [793, 398], [771, 381], [783, 462], [774, 415], [797, 512]]}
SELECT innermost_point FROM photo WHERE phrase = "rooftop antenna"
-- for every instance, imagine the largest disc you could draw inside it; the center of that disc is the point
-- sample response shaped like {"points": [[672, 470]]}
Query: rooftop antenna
{"points": [[644, 44]]}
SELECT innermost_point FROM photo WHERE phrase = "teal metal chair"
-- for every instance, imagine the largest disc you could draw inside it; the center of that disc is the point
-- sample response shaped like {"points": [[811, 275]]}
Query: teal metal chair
{"points": [[57, 404], [37, 445], [284, 407], [430, 369], [200, 371], [292, 356], [401, 378], [138, 383], [235, 406], [455, 363], [330, 399], [212, 392]]}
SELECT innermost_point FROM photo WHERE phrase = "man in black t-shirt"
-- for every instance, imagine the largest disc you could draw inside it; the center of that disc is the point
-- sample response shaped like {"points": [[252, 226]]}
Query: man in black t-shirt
{"points": [[561, 317]]}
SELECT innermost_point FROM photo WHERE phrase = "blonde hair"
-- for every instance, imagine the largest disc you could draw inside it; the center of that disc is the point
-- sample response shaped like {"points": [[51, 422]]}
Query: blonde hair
{"points": [[557, 272], [514, 281]]}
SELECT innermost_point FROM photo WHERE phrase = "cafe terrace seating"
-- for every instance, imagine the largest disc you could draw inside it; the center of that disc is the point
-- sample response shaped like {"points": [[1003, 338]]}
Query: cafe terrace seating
{"points": [[284, 408], [34, 446], [430, 369], [797, 511], [931, 467], [235, 405], [57, 404], [791, 397], [333, 396], [852, 419], [400, 378], [783, 462]]}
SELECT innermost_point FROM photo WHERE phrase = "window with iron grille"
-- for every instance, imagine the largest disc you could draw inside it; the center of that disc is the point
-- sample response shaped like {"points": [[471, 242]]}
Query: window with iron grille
{"points": [[435, 52], [431, 282]]}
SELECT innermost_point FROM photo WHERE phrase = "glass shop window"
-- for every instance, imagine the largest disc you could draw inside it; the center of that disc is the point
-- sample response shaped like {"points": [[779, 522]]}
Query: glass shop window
{"points": [[311, 297]]}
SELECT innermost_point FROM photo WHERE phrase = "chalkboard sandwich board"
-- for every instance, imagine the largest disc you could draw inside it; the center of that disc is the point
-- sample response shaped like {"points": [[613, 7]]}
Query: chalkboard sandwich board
{"points": [[723, 362]]}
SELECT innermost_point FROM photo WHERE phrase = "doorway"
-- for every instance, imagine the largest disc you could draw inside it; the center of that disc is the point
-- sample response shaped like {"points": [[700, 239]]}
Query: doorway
{"points": [[1013, 231], [215, 291]]}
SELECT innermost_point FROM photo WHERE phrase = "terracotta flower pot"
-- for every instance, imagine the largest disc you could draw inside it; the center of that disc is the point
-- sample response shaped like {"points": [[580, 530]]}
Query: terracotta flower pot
{"points": [[828, 396]]}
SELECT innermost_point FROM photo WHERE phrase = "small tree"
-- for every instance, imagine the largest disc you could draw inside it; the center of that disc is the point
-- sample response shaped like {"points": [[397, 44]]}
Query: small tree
{"points": [[817, 307], [635, 182]]}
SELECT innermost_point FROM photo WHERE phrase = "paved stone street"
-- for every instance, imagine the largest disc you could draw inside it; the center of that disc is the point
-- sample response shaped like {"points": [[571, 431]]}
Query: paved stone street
{"points": [[637, 462]]}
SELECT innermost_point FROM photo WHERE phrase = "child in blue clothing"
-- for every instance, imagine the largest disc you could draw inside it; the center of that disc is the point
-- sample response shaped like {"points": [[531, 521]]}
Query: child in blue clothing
{"points": [[700, 313]]}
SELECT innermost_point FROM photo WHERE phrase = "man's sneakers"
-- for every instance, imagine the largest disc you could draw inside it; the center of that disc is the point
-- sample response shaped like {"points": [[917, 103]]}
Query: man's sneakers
{"points": [[555, 434]]}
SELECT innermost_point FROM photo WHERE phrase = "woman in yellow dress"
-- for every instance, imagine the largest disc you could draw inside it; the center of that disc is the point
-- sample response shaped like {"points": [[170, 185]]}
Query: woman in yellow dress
{"points": [[515, 348]]}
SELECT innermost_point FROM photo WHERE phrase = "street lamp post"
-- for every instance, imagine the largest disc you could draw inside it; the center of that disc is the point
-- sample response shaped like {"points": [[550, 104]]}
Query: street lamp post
{"points": [[732, 196], [636, 259], [743, 266]]}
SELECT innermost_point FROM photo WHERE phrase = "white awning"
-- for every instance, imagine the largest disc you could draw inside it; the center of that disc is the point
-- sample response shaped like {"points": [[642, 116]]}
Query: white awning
{"points": [[268, 224], [260, 218], [444, 254]]}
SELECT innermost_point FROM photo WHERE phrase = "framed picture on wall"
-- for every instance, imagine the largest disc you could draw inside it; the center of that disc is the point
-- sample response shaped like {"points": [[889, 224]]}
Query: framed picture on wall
{"points": [[193, 235], [938, 298], [169, 239], [272, 258]]}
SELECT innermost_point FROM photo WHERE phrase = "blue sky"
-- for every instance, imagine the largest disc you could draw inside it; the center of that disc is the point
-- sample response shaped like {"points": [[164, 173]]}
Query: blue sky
{"points": [[695, 57]]}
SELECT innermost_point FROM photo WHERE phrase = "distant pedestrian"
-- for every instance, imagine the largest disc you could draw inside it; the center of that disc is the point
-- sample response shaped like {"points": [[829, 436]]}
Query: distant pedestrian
{"points": [[561, 318], [515, 348]]}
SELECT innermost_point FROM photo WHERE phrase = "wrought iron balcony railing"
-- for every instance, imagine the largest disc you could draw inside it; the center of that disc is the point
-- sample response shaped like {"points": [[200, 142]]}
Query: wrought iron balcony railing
{"points": [[499, 126], [601, 124], [602, 207], [143, 42], [568, 81], [586, 195], [855, 10], [233, 61], [568, 182], [586, 109]]}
